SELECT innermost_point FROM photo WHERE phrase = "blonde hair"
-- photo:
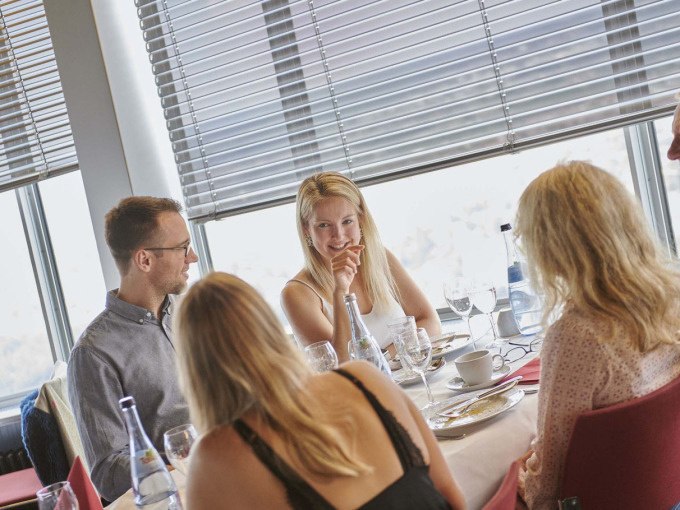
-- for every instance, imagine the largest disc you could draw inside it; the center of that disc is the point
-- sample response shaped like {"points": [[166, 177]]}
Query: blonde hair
{"points": [[587, 244], [374, 268], [234, 357]]}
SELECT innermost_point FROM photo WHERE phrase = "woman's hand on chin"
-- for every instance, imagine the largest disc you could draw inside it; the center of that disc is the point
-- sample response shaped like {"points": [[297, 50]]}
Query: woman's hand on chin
{"points": [[344, 267]]}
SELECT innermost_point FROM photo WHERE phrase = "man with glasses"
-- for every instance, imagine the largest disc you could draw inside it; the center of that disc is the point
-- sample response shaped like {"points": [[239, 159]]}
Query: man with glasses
{"points": [[128, 348]]}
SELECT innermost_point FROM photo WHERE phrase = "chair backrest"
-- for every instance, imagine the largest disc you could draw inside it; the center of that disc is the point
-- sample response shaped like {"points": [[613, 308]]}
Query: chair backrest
{"points": [[627, 455], [48, 428], [505, 497], [88, 498]]}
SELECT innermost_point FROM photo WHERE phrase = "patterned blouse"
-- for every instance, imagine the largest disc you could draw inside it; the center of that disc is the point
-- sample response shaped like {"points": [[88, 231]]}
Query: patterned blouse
{"points": [[582, 369]]}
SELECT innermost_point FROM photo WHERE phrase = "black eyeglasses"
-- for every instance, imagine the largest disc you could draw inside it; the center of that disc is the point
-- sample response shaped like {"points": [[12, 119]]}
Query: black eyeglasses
{"points": [[186, 249], [517, 351]]}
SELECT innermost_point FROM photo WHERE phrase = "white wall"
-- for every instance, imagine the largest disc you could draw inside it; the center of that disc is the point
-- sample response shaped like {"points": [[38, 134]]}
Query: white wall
{"points": [[117, 122]]}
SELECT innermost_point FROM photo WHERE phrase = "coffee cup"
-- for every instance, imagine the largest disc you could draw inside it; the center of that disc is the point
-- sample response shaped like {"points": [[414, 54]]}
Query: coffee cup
{"points": [[477, 367]]}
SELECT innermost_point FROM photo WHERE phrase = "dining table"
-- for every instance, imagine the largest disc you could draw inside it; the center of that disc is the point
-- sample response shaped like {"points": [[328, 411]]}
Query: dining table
{"points": [[480, 459]]}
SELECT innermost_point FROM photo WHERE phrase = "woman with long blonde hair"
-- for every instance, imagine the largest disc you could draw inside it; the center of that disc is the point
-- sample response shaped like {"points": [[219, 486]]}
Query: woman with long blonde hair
{"points": [[618, 336], [343, 254], [277, 435]]}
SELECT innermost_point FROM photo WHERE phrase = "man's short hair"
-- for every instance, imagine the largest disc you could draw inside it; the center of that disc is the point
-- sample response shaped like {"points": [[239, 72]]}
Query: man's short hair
{"points": [[132, 223]]}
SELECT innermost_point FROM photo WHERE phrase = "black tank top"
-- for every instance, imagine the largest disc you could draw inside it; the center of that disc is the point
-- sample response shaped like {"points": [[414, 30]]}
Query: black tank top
{"points": [[414, 490]]}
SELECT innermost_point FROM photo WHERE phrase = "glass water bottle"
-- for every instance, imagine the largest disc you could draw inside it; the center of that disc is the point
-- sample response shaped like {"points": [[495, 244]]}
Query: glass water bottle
{"points": [[152, 484], [363, 345]]}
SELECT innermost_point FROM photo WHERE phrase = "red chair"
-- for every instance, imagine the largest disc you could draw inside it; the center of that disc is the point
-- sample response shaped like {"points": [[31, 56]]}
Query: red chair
{"points": [[505, 497], [88, 499], [627, 455], [18, 487]]}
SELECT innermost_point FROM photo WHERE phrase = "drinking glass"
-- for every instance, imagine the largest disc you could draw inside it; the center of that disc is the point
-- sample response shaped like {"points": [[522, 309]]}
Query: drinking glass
{"points": [[483, 297], [178, 442], [58, 496], [457, 295], [321, 356], [415, 352]]}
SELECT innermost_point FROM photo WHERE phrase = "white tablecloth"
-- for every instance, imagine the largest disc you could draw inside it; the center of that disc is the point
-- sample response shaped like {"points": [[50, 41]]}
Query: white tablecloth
{"points": [[480, 460]]}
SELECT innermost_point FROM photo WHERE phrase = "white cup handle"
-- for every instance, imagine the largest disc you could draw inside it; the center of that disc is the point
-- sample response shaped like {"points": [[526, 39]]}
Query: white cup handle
{"points": [[497, 368]]}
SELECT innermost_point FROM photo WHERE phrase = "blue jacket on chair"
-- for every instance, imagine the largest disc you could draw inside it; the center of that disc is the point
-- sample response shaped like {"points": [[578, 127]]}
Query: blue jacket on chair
{"points": [[42, 440]]}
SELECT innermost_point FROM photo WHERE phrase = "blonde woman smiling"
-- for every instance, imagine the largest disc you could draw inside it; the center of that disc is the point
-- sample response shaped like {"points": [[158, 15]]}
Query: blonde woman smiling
{"points": [[592, 254], [343, 254], [275, 435]]}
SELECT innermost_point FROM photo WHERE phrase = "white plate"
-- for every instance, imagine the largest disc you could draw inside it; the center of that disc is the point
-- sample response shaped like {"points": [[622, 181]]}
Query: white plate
{"points": [[457, 384], [481, 411], [404, 378], [454, 344]]}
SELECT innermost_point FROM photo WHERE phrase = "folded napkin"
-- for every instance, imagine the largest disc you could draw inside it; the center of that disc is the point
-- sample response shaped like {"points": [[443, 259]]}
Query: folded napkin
{"points": [[88, 499], [531, 372]]}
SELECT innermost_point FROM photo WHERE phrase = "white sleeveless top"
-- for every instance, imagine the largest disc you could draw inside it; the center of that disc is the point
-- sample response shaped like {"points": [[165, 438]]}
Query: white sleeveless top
{"points": [[376, 320]]}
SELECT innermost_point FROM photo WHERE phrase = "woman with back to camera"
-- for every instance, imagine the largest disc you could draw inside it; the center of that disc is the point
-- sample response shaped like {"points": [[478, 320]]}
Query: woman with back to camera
{"points": [[343, 254], [617, 338], [277, 435]]}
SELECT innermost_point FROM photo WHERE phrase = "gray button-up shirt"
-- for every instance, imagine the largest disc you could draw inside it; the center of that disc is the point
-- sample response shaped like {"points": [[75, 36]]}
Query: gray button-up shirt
{"points": [[125, 351]]}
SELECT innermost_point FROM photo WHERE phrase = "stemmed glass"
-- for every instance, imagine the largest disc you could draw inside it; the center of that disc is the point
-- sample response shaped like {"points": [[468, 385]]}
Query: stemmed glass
{"points": [[483, 296], [321, 356], [178, 442], [58, 496], [457, 296], [415, 352]]}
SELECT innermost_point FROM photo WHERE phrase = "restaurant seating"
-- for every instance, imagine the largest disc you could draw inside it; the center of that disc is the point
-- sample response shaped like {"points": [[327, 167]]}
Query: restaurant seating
{"points": [[48, 429], [88, 498], [18, 488], [627, 455], [505, 497]]}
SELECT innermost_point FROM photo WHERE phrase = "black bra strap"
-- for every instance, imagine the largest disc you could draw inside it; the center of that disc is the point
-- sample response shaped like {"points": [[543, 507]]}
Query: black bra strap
{"points": [[300, 494], [408, 453]]}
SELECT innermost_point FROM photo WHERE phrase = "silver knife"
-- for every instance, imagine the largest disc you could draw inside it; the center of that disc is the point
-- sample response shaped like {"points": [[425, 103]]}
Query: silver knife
{"points": [[456, 409]]}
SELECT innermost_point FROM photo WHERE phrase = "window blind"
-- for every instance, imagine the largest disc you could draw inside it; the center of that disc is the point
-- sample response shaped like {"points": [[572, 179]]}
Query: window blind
{"points": [[35, 134], [258, 95]]}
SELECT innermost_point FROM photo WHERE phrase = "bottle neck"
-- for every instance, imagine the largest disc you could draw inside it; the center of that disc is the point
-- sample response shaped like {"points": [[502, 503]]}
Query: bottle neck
{"points": [[511, 248], [356, 323], [138, 437]]}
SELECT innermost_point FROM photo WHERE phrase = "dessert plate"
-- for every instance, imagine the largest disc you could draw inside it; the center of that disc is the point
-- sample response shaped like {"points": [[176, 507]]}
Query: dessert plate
{"points": [[405, 378], [481, 411]]}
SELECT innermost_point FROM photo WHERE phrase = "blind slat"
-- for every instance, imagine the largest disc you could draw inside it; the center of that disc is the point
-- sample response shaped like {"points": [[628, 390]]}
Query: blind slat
{"points": [[35, 135], [258, 96]]}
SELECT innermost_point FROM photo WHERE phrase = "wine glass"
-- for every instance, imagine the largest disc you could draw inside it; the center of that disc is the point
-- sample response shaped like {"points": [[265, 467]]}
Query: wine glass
{"points": [[457, 295], [483, 296], [415, 352], [178, 442], [321, 356], [58, 496]]}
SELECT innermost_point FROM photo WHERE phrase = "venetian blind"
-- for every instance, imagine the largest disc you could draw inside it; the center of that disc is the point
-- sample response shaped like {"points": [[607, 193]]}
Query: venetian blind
{"points": [[258, 95], [35, 134]]}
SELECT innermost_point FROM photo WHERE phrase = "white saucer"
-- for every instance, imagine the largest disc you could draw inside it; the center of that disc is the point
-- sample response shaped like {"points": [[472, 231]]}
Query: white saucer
{"points": [[457, 384]]}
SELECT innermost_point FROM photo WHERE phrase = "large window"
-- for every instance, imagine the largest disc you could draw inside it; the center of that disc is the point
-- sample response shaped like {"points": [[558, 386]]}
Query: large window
{"points": [[75, 249], [24, 342], [438, 224], [258, 95], [670, 170]]}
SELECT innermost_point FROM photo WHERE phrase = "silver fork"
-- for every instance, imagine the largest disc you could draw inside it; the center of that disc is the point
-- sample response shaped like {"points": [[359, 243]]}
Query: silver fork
{"points": [[460, 407]]}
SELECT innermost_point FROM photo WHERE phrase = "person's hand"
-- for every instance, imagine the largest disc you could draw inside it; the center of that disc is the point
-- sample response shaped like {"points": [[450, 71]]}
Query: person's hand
{"points": [[524, 458], [674, 150], [345, 266]]}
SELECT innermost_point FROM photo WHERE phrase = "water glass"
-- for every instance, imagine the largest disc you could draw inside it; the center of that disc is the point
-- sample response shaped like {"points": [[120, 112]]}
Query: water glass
{"points": [[415, 351], [321, 356], [178, 442], [457, 296], [58, 496], [484, 298]]}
